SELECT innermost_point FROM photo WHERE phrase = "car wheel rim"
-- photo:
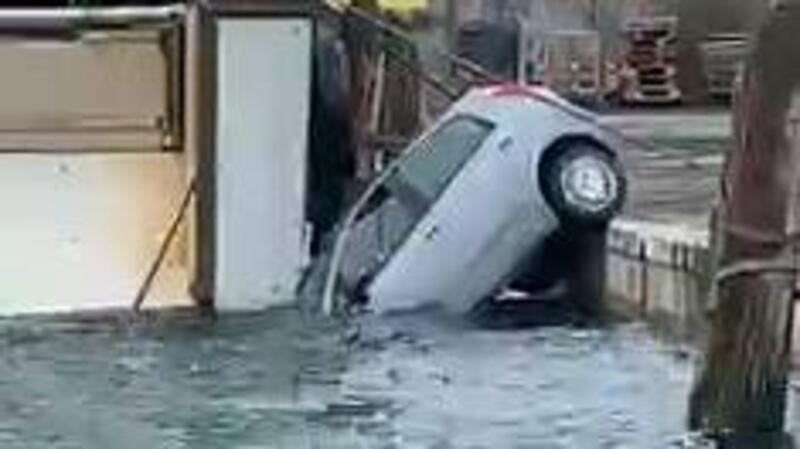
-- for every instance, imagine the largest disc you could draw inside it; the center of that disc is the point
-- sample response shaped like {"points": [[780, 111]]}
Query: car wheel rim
{"points": [[590, 184]]}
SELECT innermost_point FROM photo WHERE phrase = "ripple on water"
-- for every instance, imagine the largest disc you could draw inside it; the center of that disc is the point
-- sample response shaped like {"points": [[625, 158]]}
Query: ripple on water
{"points": [[283, 379]]}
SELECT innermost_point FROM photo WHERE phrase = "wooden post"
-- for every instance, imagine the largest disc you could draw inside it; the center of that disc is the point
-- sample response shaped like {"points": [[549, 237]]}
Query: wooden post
{"points": [[741, 393], [363, 45], [385, 83], [451, 23]]}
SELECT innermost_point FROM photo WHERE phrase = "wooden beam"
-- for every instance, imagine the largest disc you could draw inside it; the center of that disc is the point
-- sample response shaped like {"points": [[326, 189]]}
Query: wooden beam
{"points": [[741, 393]]}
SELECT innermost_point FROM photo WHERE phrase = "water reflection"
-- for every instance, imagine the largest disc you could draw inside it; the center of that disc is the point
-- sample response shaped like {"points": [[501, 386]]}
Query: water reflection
{"points": [[239, 382], [762, 441], [459, 385], [287, 380]]}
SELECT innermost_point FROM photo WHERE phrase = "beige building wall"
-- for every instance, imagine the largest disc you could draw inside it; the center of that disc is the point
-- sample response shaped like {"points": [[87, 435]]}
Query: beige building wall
{"points": [[99, 91], [88, 190], [80, 231]]}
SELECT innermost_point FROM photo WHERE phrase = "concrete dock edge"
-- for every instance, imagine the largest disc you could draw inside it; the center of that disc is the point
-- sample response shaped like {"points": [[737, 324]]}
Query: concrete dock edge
{"points": [[660, 272]]}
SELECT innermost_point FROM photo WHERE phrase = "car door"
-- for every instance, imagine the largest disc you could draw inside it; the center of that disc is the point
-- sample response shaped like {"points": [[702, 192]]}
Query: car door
{"points": [[424, 262], [398, 207]]}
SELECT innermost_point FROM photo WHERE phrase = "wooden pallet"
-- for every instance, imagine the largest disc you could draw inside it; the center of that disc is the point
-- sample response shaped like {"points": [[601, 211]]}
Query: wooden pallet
{"points": [[723, 58], [651, 72]]}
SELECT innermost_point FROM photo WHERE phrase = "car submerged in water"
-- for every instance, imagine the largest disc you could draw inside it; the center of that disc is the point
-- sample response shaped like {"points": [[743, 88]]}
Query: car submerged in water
{"points": [[507, 198]]}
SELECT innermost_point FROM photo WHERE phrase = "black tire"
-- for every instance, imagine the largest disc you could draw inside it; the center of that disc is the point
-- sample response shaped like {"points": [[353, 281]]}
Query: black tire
{"points": [[570, 210]]}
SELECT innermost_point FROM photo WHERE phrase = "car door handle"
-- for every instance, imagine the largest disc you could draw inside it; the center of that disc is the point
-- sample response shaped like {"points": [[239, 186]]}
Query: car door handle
{"points": [[432, 232]]}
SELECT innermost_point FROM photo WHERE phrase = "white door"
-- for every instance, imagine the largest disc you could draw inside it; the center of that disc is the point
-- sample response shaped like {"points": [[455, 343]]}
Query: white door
{"points": [[264, 69]]}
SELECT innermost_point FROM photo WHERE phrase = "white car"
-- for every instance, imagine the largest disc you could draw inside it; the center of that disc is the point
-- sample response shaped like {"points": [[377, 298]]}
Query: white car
{"points": [[512, 189]]}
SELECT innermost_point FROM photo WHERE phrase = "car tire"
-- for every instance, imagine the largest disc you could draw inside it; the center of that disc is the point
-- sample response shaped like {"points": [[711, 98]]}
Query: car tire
{"points": [[586, 164]]}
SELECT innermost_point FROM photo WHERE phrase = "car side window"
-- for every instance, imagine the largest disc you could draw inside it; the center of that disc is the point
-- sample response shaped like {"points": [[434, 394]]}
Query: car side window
{"points": [[431, 166], [396, 208]]}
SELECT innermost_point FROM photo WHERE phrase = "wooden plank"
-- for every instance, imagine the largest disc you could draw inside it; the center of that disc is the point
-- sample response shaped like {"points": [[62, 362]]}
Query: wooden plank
{"points": [[742, 390]]}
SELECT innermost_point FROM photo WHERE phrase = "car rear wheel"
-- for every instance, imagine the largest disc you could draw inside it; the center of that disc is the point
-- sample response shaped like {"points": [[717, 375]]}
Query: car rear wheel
{"points": [[583, 184]]}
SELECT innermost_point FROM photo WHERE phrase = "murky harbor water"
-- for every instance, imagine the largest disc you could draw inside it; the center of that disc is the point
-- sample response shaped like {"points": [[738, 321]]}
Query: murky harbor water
{"points": [[284, 381]]}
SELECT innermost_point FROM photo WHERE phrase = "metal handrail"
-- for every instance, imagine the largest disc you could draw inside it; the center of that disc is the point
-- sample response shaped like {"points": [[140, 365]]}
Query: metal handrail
{"points": [[76, 17]]}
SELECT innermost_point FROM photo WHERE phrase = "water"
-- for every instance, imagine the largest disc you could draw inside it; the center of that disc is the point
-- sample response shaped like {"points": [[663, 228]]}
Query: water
{"points": [[281, 380]]}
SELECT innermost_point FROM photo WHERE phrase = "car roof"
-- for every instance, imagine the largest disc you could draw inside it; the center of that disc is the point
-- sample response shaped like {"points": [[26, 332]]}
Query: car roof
{"points": [[510, 104]]}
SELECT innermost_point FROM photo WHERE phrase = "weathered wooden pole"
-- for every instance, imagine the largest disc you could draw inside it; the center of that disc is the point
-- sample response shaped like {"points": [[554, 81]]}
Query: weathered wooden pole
{"points": [[385, 82], [741, 394], [363, 45]]}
